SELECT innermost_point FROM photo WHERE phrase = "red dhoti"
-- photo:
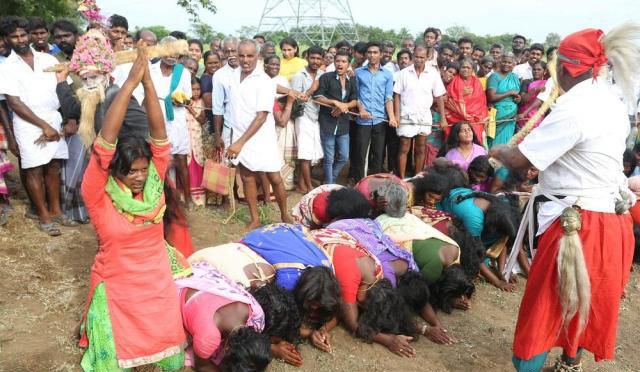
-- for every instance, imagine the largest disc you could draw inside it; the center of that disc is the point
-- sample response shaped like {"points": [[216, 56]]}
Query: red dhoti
{"points": [[608, 244]]}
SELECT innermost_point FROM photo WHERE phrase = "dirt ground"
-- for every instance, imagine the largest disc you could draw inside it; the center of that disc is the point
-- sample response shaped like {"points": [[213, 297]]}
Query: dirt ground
{"points": [[45, 281]]}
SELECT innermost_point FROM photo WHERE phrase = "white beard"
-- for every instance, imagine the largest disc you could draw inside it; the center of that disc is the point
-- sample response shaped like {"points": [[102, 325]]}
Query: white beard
{"points": [[89, 100]]}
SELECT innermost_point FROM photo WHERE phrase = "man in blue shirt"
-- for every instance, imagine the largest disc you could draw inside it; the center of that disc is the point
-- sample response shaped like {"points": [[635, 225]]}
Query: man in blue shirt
{"points": [[375, 106]]}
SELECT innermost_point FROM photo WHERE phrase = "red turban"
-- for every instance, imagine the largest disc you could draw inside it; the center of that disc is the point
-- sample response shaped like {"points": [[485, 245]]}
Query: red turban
{"points": [[582, 51], [319, 207]]}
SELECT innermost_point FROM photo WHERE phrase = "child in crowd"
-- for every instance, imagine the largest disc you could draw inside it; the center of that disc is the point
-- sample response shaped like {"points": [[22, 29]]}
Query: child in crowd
{"points": [[195, 159]]}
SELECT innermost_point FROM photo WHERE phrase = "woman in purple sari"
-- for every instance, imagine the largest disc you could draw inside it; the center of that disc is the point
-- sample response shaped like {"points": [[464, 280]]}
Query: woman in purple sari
{"points": [[529, 93]]}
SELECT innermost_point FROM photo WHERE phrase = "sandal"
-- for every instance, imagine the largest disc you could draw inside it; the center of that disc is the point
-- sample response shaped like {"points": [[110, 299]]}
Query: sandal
{"points": [[31, 215], [64, 221], [4, 218], [50, 229]]}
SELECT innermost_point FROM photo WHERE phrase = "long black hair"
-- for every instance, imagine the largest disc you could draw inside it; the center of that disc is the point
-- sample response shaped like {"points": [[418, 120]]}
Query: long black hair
{"points": [[451, 172], [452, 284], [347, 203], [282, 317], [414, 289], [290, 41], [385, 311], [502, 217], [432, 182], [471, 248], [128, 150], [247, 351], [317, 293], [453, 141]]}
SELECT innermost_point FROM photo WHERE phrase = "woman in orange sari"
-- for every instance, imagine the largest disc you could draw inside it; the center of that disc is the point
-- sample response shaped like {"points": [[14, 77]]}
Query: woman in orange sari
{"points": [[466, 100]]}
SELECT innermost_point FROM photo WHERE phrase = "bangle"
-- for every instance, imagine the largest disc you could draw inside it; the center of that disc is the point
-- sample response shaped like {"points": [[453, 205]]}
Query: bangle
{"points": [[424, 329]]}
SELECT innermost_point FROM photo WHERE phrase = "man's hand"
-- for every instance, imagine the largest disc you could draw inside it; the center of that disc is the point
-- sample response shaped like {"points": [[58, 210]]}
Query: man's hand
{"points": [[13, 145], [218, 143], [341, 106], [234, 150], [70, 128], [393, 123], [63, 74], [364, 114], [50, 134]]}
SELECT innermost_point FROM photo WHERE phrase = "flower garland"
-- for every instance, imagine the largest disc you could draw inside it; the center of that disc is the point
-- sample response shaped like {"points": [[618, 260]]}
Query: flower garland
{"points": [[93, 53]]}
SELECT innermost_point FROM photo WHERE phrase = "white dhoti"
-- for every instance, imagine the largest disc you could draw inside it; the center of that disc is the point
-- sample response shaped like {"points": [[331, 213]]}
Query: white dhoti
{"points": [[31, 154], [261, 152], [178, 135], [308, 137]]}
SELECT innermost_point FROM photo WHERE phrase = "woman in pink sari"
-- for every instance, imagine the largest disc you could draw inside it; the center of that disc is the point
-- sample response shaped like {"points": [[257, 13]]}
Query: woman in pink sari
{"points": [[466, 100], [529, 93]]}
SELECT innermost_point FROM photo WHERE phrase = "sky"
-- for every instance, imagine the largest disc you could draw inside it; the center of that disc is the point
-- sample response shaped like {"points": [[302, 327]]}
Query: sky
{"points": [[534, 19]]}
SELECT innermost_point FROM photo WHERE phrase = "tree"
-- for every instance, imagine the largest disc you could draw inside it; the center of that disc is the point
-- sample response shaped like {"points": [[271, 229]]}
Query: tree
{"points": [[49, 10], [456, 32], [247, 31], [552, 39], [194, 7], [159, 31], [205, 32]]}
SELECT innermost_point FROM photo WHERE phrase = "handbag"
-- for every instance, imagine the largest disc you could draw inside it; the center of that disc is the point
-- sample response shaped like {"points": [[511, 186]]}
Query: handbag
{"points": [[218, 175]]}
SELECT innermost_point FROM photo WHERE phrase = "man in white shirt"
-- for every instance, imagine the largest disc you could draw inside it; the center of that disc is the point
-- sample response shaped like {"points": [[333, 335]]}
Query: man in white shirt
{"points": [[585, 245], [430, 38], [171, 79], [525, 70], [222, 120], [307, 127], [31, 95], [413, 94], [254, 144]]}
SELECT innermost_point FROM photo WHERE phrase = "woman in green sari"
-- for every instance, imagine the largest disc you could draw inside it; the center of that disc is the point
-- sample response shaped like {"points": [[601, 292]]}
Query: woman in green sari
{"points": [[503, 92]]}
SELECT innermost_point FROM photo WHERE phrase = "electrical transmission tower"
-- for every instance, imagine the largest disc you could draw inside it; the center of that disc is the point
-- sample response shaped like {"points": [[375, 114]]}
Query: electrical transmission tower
{"points": [[313, 22]]}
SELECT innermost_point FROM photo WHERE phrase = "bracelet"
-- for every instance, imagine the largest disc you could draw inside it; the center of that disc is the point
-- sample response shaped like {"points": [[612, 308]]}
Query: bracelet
{"points": [[424, 329]]}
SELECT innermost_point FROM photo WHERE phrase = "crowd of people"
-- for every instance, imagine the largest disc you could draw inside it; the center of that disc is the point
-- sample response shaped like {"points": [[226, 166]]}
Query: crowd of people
{"points": [[420, 214]]}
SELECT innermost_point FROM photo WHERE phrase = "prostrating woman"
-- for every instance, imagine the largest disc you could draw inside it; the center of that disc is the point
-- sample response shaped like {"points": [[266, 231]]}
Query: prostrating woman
{"points": [[224, 323], [397, 264], [493, 219], [246, 268], [371, 308], [503, 92], [133, 314], [303, 268], [311, 210], [462, 146], [438, 257], [370, 185], [466, 101]]}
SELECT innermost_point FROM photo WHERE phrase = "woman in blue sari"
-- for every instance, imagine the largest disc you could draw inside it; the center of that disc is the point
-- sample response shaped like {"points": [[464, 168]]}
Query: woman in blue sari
{"points": [[503, 92]]}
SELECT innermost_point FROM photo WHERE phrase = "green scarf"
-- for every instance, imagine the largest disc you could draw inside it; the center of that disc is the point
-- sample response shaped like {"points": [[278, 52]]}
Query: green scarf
{"points": [[148, 210], [168, 100]]}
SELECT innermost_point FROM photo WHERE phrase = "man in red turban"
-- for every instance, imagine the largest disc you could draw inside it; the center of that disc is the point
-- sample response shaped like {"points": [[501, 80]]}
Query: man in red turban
{"points": [[576, 281]]}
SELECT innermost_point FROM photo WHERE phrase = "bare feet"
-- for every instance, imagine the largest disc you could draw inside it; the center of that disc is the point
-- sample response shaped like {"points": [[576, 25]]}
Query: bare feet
{"points": [[301, 190], [252, 225], [286, 218]]}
